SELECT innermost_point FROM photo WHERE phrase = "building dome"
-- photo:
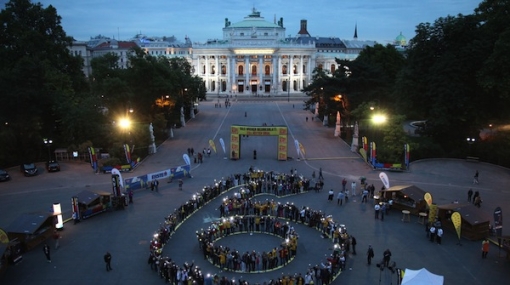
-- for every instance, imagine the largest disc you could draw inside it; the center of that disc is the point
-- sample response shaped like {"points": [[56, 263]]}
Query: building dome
{"points": [[400, 40], [254, 20]]}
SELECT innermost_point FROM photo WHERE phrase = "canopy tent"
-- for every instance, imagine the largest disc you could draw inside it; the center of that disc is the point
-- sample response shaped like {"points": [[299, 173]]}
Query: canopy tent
{"points": [[406, 197], [421, 277]]}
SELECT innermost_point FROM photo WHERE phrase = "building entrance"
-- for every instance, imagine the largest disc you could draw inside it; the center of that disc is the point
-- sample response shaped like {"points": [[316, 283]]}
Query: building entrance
{"points": [[236, 131]]}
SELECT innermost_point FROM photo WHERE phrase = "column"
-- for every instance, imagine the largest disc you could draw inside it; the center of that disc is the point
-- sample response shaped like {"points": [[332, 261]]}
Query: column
{"points": [[309, 71], [291, 73], [279, 74], [218, 72], [246, 73], [207, 83], [229, 76], [261, 77], [300, 70], [275, 78]]}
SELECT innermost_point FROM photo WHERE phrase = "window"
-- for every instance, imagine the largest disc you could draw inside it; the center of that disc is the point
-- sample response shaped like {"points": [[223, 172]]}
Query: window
{"points": [[284, 69], [267, 70], [254, 70], [304, 68], [240, 70], [294, 69], [213, 69], [333, 67], [241, 34], [203, 69]]}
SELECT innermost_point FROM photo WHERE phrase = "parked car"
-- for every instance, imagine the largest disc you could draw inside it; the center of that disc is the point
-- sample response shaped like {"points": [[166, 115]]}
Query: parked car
{"points": [[4, 175], [52, 166], [29, 169]]}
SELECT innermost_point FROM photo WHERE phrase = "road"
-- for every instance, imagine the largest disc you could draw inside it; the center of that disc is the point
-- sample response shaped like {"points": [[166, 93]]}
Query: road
{"points": [[126, 234]]}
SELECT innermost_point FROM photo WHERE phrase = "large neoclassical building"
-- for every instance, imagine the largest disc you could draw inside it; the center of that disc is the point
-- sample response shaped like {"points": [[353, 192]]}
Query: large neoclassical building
{"points": [[255, 56]]}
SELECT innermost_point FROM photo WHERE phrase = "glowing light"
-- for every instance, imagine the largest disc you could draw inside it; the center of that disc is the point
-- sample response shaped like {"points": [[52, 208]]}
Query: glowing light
{"points": [[379, 119]]}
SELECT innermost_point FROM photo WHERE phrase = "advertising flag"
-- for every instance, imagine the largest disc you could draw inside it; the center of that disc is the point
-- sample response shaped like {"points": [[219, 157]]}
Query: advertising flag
{"points": [[407, 151], [213, 146], [3, 237], [128, 153], [428, 198], [222, 143], [302, 150], [186, 159], [432, 213], [457, 222], [296, 144], [498, 221], [385, 180], [117, 172]]}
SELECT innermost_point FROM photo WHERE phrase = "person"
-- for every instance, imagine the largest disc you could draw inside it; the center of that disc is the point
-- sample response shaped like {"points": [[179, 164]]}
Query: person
{"points": [[439, 235], [152, 185], [485, 248], [254, 154], [386, 257], [353, 244], [46, 250], [470, 195], [344, 183], [108, 260], [340, 198], [432, 233], [56, 237], [377, 208], [475, 196], [180, 184], [320, 173], [156, 185], [475, 180], [330, 195], [370, 254], [307, 119], [353, 188], [364, 196], [478, 201], [130, 196]]}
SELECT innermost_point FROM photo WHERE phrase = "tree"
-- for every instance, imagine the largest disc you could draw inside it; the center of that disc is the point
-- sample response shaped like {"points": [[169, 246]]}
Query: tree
{"points": [[36, 71]]}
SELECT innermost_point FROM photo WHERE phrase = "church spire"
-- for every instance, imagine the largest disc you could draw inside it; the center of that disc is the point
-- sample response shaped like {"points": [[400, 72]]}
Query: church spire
{"points": [[356, 31]]}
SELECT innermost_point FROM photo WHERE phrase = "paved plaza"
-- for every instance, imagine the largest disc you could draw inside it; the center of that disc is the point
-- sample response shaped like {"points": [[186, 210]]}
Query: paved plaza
{"points": [[126, 234]]}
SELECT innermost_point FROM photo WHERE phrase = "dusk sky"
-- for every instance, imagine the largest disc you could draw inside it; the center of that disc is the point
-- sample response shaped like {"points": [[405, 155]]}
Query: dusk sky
{"points": [[380, 20]]}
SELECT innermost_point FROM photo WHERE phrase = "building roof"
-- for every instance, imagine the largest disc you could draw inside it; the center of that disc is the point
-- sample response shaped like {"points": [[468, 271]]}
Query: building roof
{"points": [[254, 20], [29, 223]]}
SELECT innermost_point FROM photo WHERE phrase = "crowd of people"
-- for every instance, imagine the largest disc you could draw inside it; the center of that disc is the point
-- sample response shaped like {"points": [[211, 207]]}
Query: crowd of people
{"points": [[243, 213]]}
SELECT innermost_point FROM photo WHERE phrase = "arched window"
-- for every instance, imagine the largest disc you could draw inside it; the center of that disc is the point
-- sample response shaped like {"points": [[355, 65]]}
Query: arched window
{"points": [[203, 69], [268, 70], [333, 67], [213, 85], [253, 70], [284, 69], [213, 69], [240, 70], [304, 68], [223, 86], [223, 69], [294, 69]]}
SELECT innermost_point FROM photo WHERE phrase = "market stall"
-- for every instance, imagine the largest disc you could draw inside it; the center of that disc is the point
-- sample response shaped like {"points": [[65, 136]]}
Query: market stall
{"points": [[31, 229], [90, 203], [475, 224], [405, 197]]}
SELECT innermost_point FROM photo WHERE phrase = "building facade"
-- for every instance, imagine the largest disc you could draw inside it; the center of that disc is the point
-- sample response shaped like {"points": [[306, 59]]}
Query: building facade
{"points": [[254, 57]]}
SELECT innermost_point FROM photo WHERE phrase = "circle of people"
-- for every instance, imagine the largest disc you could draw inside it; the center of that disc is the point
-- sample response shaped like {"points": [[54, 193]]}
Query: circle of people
{"points": [[246, 214]]}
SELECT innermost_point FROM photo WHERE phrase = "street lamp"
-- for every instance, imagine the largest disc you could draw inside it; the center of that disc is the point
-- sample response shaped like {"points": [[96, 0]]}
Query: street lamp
{"points": [[48, 143]]}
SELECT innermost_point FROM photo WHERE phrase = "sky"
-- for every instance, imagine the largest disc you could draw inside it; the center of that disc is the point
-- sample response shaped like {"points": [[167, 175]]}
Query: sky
{"points": [[200, 20]]}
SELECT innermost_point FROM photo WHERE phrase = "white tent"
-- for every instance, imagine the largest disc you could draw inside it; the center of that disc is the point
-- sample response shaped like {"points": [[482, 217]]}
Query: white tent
{"points": [[421, 277]]}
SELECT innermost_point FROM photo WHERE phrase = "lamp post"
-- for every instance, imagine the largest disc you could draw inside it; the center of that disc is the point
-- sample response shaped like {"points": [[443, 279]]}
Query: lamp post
{"points": [[48, 143]]}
